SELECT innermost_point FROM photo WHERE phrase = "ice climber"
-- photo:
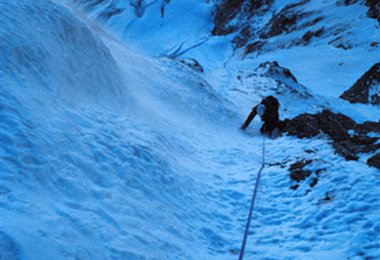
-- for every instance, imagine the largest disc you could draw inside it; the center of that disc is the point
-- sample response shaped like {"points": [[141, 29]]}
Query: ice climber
{"points": [[268, 111]]}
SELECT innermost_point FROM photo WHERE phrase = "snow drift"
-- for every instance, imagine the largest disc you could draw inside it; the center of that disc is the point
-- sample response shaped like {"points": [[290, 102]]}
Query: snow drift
{"points": [[95, 160], [107, 154], [44, 47]]}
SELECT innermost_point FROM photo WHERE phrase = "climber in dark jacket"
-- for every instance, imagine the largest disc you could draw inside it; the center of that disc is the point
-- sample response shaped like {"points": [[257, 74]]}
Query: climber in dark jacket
{"points": [[268, 111]]}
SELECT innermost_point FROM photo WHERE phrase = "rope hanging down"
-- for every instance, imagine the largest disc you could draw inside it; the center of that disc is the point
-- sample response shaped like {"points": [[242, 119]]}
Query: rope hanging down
{"points": [[252, 204]]}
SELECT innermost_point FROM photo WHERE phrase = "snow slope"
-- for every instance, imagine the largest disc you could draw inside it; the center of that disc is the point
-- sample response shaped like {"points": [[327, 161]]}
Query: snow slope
{"points": [[107, 154]]}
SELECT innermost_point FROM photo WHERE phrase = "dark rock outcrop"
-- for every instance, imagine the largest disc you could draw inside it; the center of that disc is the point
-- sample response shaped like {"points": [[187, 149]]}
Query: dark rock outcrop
{"points": [[256, 22], [287, 20], [374, 161], [228, 10], [373, 6], [298, 173], [360, 92], [345, 152], [367, 127], [192, 63], [336, 127], [309, 35], [225, 13], [256, 46], [285, 80], [273, 70], [310, 125], [373, 9]]}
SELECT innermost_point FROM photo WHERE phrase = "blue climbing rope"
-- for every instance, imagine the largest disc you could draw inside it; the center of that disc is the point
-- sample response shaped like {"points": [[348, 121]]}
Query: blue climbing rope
{"points": [[242, 250]]}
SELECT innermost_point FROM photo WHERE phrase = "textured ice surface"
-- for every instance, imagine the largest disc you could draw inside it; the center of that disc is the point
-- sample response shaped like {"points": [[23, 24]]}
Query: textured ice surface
{"points": [[106, 154]]}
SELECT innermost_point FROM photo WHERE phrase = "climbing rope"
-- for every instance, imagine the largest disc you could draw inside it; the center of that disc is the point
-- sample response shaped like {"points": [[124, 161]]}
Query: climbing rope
{"points": [[241, 255]]}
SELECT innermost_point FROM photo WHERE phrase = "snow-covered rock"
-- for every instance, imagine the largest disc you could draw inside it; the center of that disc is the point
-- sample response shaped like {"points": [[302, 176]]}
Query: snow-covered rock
{"points": [[268, 25], [366, 89]]}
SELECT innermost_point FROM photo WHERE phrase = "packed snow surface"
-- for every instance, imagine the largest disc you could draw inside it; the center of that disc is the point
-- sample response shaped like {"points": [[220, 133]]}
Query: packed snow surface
{"points": [[109, 154]]}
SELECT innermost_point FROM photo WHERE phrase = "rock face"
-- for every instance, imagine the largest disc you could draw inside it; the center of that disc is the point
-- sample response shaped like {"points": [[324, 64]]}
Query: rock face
{"points": [[373, 9], [228, 10], [274, 70], [285, 21], [366, 89], [336, 127], [261, 26], [367, 127], [285, 80], [310, 125], [249, 19], [374, 161], [297, 172], [300, 172]]}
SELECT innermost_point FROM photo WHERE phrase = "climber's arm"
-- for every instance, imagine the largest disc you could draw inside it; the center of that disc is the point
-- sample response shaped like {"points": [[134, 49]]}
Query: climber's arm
{"points": [[249, 118]]}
